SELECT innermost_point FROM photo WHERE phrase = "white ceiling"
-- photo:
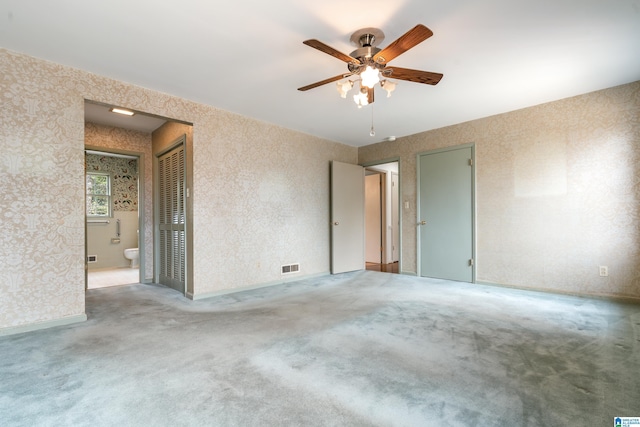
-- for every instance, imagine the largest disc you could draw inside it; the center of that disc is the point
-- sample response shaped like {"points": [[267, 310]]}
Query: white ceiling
{"points": [[101, 114], [247, 56]]}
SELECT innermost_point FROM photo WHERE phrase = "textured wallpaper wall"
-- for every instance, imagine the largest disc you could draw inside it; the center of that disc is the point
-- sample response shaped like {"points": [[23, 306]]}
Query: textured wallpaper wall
{"points": [[41, 207], [558, 192], [260, 192], [261, 200], [108, 137]]}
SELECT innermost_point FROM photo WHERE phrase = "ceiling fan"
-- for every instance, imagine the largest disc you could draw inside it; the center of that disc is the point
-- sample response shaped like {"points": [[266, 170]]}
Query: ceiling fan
{"points": [[369, 62]]}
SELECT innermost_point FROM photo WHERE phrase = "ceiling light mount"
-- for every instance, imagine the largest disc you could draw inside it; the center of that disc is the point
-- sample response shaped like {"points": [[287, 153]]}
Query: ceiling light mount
{"points": [[367, 37]]}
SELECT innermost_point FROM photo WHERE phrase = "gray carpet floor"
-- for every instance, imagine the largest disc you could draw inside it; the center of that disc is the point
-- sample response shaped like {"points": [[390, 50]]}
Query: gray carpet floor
{"points": [[362, 348]]}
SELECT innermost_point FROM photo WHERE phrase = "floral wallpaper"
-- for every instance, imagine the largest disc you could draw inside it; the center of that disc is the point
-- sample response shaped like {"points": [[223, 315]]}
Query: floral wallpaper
{"points": [[124, 175], [557, 192], [558, 187], [250, 214]]}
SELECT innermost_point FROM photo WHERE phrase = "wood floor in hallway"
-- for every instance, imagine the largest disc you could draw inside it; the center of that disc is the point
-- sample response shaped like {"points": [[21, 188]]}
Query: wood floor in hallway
{"points": [[384, 268]]}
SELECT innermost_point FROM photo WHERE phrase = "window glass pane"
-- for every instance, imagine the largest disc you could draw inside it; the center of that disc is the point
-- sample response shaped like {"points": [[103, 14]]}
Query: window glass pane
{"points": [[98, 195], [98, 184], [98, 205]]}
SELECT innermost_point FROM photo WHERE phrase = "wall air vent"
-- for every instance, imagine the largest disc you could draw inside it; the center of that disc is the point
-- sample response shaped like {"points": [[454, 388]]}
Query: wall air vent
{"points": [[290, 268], [92, 258]]}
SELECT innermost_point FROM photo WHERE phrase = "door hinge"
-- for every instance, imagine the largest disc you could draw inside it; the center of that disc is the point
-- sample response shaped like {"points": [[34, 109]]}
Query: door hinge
{"points": [[471, 262], [470, 162]]}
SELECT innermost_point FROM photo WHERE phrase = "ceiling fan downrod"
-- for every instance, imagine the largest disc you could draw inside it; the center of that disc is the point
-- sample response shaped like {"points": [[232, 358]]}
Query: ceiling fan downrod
{"points": [[367, 39]]}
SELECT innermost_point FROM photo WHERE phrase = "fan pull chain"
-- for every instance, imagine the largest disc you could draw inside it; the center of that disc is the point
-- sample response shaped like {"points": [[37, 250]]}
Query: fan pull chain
{"points": [[373, 132]]}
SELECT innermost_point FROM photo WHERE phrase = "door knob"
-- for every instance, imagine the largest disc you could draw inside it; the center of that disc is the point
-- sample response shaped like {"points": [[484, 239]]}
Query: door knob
{"points": [[336, 223], [423, 222]]}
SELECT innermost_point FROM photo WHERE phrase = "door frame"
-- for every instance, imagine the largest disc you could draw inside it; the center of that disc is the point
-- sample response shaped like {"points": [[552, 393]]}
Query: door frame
{"points": [[471, 145], [381, 214], [395, 235], [180, 141], [141, 229], [399, 161]]}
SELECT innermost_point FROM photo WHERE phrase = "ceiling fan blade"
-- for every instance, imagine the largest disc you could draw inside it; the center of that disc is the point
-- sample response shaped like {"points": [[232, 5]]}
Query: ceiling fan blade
{"points": [[323, 82], [416, 76], [370, 97], [411, 38], [316, 44]]}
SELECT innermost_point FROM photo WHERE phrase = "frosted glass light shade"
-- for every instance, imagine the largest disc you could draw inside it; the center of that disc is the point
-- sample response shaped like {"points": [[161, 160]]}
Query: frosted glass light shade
{"points": [[344, 87], [370, 76], [361, 99]]}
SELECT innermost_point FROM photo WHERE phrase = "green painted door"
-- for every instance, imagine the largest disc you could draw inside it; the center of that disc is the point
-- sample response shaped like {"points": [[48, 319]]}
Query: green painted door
{"points": [[445, 217]]}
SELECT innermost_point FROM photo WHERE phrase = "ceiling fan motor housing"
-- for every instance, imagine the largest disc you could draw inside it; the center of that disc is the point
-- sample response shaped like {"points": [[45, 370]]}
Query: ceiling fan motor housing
{"points": [[367, 39]]}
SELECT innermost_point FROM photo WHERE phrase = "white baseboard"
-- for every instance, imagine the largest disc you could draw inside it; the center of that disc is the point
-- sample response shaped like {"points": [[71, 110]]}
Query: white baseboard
{"points": [[12, 330], [611, 297], [251, 287]]}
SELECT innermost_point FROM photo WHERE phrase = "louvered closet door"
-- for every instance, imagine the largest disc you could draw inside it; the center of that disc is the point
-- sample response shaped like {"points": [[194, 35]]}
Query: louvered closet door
{"points": [[171, 168]]}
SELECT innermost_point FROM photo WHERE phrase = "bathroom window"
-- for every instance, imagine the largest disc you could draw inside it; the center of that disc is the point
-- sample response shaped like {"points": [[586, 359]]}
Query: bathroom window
{"points": [[98, 194]]}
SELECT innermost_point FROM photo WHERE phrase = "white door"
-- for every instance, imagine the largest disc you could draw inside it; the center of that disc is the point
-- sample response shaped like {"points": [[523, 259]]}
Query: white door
{"points": [[347, 217]]}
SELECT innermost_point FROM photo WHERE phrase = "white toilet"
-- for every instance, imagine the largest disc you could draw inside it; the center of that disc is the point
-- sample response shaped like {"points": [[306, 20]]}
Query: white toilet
{"points": [[133, 255]]}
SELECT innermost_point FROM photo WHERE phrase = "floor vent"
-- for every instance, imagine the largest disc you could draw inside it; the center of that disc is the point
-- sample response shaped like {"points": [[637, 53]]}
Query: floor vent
{"points": [[92, 258], [290, 268]]}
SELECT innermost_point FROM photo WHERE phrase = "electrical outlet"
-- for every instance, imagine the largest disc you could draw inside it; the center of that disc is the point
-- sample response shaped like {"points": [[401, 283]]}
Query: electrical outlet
{"points": [[604, 271]]}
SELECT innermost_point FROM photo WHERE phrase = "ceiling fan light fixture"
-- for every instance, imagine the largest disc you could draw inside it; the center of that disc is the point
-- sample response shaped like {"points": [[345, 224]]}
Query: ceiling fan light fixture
{"points": [[367, 64], [344, 87], [389, 86], [361, 99], [370, 76]]}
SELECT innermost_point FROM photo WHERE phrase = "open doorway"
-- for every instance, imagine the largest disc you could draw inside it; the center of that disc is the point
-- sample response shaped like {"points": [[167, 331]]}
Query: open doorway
{"points": [[382, 217], [112, 218], [140, 136]]}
